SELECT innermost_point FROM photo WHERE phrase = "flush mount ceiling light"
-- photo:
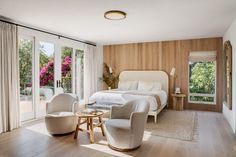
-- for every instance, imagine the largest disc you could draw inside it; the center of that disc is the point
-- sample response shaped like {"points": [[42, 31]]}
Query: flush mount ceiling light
{"points": [[115, 15]]}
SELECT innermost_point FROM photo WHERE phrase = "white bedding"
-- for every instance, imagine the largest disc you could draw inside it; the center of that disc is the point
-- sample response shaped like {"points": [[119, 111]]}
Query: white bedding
{"points": [[119, 97]]}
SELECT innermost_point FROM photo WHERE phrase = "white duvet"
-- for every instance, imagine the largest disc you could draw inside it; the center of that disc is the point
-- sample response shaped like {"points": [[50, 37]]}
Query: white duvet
{"points": [[119, 97]]}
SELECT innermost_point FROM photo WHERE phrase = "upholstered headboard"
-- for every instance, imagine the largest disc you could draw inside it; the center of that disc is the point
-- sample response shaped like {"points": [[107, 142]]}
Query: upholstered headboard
{"points": [[154, 76]]}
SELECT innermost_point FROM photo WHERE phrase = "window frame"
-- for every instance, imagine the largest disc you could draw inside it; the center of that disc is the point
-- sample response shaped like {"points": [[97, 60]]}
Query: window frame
{"points": [[202, 94]]}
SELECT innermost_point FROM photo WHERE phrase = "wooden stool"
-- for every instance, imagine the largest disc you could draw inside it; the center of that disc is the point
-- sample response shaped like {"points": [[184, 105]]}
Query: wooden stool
{"points": [[88, 118]]}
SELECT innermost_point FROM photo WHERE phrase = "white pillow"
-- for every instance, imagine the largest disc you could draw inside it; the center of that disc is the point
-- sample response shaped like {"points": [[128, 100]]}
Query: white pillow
{"points": [[157, 86], [149, 86], [128, 85]]}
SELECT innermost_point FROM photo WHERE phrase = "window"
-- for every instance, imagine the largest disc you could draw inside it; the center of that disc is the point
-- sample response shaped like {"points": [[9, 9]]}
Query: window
{"points": [[46, 73], [202, 77], [66, 69], [26, 66], [48, 66]]}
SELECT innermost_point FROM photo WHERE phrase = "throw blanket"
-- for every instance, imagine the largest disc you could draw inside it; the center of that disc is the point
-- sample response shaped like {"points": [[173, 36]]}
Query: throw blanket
{"points": [[118, 97], [148, 94]]}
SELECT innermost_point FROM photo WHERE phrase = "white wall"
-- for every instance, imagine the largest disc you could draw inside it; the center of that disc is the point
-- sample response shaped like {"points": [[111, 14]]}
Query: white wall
{"points": [[231, 114]]}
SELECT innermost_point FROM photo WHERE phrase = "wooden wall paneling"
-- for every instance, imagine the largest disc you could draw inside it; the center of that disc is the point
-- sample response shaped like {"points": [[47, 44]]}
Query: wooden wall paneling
{"points": [[182, 53], [168, 62], [150, 54], [106, 54], [125, 57], [165, 55], [145, 56], [184, 48]]}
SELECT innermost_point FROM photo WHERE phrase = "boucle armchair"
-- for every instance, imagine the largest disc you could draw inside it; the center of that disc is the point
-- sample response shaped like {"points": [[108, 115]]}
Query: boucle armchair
{"points": [[60, 117], [125, 128]]}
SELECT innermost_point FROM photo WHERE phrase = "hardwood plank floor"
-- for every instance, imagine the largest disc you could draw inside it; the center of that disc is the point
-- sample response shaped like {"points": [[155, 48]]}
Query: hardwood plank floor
{"points": [[215, 139]]}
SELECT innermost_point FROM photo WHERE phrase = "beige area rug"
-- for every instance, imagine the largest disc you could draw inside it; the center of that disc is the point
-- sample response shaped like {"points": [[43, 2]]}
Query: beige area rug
{"points": [[180, 125]]}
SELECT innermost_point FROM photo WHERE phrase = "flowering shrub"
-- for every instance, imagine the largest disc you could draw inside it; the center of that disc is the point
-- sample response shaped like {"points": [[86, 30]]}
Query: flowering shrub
{"points": [[47, 71]]}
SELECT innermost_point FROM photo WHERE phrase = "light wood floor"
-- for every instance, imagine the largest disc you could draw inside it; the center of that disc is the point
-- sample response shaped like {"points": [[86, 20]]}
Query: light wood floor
{"points": [[215, 139]]}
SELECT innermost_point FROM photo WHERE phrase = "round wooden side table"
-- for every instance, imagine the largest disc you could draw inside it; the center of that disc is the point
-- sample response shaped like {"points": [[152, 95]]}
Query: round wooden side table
{"points": [[88, 118]]}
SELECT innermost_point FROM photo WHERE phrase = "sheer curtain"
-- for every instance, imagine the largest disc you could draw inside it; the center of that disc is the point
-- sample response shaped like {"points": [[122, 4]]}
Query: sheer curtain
{"points": [[90, 71], [9, 78]]}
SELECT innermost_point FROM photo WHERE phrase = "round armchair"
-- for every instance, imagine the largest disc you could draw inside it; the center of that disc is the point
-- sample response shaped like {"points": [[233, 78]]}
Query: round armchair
{"points": [[60, 117], [125, 128]]}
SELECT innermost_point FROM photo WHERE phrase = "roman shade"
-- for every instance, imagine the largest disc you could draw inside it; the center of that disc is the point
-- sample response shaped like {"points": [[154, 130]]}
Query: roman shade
{"points": [[195, 56]]}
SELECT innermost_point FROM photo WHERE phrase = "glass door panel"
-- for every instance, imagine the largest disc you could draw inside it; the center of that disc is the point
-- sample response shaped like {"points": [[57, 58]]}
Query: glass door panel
{"points": [[66, 69], [26, 84], [46, 73]]}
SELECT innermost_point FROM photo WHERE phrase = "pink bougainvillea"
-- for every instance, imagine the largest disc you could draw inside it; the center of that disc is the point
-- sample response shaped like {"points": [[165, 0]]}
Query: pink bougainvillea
{"points": [[47, 71]]}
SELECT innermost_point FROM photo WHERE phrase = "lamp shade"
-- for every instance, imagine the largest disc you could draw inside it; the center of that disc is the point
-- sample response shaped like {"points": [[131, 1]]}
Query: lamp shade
{"points": [[172, 72], [110, 70]]}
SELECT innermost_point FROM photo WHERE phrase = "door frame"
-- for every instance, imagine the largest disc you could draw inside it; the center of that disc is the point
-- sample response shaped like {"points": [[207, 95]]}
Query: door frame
{"points": [[58, 44], [30, 115], [63, 42]]}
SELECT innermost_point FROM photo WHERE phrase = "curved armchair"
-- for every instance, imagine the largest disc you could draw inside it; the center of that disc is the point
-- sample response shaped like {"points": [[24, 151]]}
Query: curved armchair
{"points": [[60, 117], [125, 128]]}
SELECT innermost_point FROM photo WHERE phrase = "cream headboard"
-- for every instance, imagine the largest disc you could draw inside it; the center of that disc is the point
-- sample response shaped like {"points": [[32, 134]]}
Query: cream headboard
{"points": [[154, 76]]}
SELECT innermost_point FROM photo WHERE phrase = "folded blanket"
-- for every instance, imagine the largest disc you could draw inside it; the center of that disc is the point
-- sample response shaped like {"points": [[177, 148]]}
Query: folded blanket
{"points": [[119, 97]]}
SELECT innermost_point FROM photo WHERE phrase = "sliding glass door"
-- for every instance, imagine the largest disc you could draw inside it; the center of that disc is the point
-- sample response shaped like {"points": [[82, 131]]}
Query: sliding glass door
{"points": [[66, 68], [46, 74], [26, 55], [48, 66], [72, 56]]}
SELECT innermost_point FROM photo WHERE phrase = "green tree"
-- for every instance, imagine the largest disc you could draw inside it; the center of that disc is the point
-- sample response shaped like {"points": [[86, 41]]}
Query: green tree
{"points": [[25, 62], [66, 51], [202, 77], [43, 58]]}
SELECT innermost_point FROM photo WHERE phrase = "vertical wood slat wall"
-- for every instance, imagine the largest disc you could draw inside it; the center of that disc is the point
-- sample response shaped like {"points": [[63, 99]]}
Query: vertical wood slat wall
{"points": [[164, 55]]}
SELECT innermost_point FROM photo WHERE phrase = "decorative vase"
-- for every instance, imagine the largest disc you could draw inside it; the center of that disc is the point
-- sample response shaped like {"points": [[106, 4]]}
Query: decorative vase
{"points": [[109, 88]]}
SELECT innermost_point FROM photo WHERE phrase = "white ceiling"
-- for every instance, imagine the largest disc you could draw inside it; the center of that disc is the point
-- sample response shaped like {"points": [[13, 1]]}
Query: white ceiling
{"points": [[147, 20]]}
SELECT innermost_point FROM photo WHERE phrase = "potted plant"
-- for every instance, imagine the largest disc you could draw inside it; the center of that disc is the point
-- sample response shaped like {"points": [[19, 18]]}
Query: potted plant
{"points": [[109, 77]]}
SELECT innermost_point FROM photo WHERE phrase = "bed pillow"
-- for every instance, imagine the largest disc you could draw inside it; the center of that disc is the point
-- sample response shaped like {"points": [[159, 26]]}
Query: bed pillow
{"points": [[149, 86], [157, 86], [128, 85]]}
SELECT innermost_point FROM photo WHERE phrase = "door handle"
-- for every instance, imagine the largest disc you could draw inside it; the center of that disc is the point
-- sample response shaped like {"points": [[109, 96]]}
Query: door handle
{"points": [[60, 83], [57, 83]]}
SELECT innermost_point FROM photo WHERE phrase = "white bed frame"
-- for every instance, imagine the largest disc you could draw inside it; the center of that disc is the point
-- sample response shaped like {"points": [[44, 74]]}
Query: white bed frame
{"points": [[152, 76]]}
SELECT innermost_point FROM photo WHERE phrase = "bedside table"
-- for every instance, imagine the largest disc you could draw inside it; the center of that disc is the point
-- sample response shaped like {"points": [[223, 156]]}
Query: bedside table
{"points": [[178, 101]]}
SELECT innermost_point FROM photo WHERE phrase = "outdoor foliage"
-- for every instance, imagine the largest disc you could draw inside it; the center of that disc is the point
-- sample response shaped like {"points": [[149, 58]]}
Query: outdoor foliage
{"points": [[47, 69], [202, 80], [25, 63], [66, 69], [46, 66]]}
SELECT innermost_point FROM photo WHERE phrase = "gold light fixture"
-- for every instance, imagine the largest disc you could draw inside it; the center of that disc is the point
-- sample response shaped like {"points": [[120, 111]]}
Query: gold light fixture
{"points": [[115, 15]]}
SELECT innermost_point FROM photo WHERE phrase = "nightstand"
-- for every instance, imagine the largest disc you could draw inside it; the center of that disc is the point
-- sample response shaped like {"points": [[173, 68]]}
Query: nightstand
{"points": [[178, 101]]}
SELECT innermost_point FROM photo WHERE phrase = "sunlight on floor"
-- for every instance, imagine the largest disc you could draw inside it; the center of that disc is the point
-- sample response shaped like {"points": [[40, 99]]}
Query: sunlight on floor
{"points": [[102, 147], [147, 135], [39, 128]]}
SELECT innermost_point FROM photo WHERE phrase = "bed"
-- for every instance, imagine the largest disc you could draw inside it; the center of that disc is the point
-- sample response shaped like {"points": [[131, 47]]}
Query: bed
{"points": [[150, 85]]}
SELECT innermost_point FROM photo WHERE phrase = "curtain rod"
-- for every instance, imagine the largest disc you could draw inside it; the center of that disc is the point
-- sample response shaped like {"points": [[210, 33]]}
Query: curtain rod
{"points": [[39, 30]]}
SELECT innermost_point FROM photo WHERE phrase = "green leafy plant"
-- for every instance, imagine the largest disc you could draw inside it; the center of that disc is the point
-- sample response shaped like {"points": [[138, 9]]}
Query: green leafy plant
{"points": [[202, 78], [110, 79]]}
